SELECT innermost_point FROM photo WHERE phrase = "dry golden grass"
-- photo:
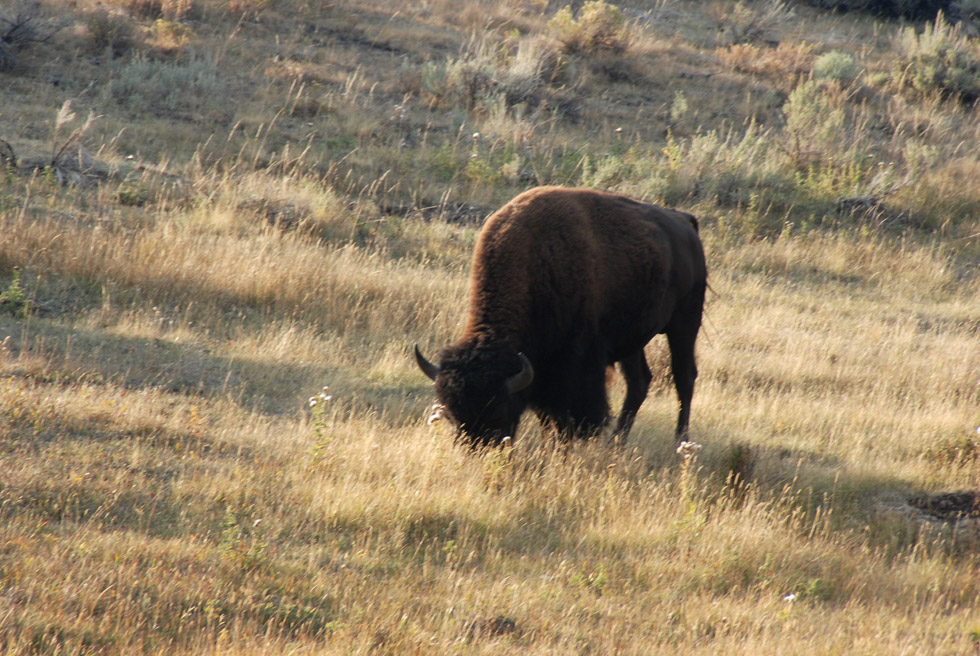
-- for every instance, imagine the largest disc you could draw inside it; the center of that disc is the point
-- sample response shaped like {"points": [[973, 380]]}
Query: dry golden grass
{"points": [[166, 486]]}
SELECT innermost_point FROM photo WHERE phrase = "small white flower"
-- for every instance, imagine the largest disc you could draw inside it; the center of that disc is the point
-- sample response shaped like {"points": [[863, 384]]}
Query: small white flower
{"points": [[790, 598], [436, 413], [688, 449], [619, 130], [312, 401], [257, 522], [476, 135]]}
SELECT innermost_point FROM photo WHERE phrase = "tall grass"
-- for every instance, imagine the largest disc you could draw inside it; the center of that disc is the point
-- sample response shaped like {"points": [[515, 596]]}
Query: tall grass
{"points": [[166, 485]]}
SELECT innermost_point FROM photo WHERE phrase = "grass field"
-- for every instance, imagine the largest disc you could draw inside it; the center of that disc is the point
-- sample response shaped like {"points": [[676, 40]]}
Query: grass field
{"points": [[212, 209]]}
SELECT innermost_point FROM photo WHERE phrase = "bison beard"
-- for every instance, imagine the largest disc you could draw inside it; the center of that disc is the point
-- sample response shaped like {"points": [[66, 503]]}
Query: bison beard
{"points": [[565, 283]]}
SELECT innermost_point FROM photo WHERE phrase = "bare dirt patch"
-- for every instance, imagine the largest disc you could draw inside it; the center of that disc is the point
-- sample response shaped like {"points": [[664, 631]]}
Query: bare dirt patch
{"points": [[946, 516]]}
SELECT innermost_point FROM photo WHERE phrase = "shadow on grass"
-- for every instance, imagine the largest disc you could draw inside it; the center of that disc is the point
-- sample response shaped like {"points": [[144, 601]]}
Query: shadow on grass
{"points": [[48, 352], [58, 355], [824, 492], [66, 356], [92, 469]]}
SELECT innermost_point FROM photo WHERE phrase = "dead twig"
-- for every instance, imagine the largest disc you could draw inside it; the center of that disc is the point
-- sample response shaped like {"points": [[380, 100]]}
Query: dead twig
{"points": [[20, 26]]}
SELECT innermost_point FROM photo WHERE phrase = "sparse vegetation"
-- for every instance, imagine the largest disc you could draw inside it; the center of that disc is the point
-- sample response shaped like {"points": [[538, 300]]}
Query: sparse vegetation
{"points": [[278, 195], [13, 299]]}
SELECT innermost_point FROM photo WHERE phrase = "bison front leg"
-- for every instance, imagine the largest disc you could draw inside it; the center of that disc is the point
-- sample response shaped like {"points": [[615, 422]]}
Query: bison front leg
{"points": [[575, 403], [637, 374]]}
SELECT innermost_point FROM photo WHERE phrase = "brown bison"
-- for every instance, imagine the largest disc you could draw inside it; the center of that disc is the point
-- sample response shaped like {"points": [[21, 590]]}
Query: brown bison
{"points": [[565, 283]]}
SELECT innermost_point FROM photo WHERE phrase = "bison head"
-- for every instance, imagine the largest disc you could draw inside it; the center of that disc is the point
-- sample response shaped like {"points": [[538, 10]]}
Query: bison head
{"points": [[480, 388]]}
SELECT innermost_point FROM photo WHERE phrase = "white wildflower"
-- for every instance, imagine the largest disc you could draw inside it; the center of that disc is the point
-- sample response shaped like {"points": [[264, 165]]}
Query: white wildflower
{"points": [[688, 449], [476, 135], [790, 598], [322, 397], [436, 413]]}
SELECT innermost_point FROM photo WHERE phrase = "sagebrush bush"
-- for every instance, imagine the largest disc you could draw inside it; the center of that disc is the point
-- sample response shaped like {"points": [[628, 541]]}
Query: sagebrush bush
{"points": [[745, 23], [517, 72], [463, 81], [598, 27], [735, 169], [941, 59], [785, 62], [724, 170], [836, 66], [145, 84], [814, 125]]}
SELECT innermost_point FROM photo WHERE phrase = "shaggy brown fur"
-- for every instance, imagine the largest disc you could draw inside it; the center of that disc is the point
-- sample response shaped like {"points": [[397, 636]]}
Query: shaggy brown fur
{"points": [[575, 280]]}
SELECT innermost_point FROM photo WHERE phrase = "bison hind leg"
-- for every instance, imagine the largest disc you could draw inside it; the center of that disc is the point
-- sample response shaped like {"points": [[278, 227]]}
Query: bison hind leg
{"points": [[681, 336]]}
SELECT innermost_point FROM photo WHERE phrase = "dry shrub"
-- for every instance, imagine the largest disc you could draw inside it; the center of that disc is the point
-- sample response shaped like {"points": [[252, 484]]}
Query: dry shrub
{"points": [[785, 62], [596, 28], [169, 36], [754, 23], [21, 25], [171, 10], [247, 7], [108, 31]]}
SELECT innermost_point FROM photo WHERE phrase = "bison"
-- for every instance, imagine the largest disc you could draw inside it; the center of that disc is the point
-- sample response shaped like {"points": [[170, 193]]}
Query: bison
{"points": [[565, 283]]}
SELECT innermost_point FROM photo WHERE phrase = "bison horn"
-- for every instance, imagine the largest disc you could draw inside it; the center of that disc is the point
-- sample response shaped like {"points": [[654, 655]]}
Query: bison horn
{"points": [[521, 379], [427, 367]]}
